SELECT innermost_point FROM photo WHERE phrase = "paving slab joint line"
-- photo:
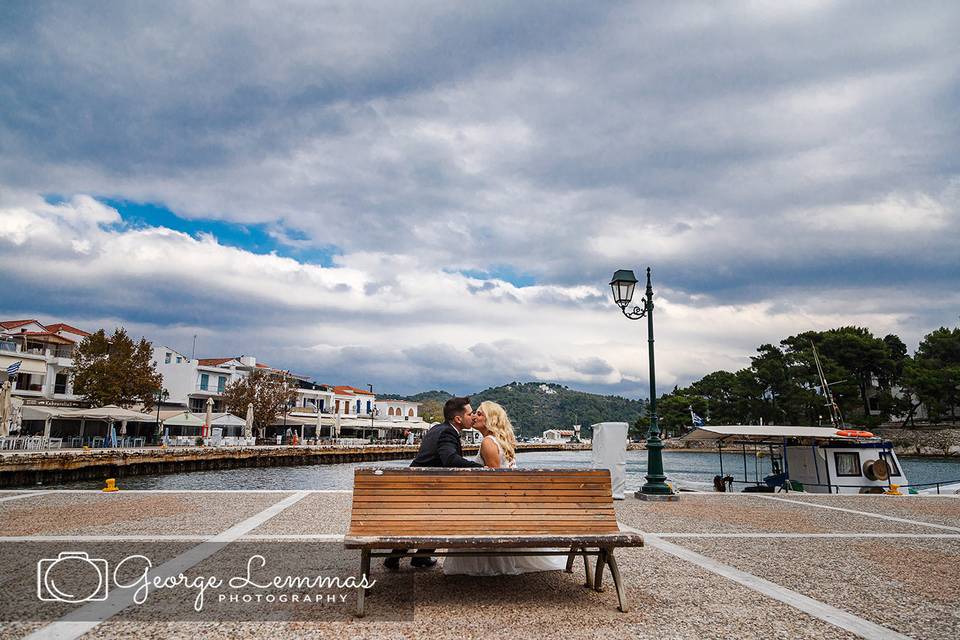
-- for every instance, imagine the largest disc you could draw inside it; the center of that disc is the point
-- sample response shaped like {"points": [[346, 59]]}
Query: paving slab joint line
{"points": [[869, 514], [820, 610], [21, 496], [81, 620]]}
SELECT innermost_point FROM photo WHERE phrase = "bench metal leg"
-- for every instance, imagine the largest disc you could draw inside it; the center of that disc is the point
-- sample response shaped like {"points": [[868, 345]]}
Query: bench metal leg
{"points": [[586, 567], [571, 557], [598, 577], [361, 591], [615, 574]]}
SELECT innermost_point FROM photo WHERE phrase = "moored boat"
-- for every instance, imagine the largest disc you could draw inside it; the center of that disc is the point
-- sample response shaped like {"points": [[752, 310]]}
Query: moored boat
{"points": [[812, 459]]}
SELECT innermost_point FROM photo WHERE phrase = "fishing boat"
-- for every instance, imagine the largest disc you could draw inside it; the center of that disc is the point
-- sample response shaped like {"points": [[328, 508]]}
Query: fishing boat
{"points": [[811, 459]]}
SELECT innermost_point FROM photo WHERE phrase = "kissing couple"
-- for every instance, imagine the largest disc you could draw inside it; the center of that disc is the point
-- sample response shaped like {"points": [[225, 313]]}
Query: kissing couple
{"points": [[441, 447]]}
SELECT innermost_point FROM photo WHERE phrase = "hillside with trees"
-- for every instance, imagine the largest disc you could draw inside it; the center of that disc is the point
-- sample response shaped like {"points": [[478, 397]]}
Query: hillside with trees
{"points": [[873, 379], [535, 407]]}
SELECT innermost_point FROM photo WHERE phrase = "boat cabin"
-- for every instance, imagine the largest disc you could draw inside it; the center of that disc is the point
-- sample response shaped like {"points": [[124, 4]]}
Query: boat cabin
{"points": [[812, 459]]}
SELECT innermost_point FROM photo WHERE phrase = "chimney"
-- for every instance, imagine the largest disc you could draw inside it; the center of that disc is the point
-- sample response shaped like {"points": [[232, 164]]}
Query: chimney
{"points": [[248, 361]]}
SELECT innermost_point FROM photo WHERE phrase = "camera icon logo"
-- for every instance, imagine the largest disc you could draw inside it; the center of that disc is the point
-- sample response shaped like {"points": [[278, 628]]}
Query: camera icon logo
{"points": [[73, 577]]}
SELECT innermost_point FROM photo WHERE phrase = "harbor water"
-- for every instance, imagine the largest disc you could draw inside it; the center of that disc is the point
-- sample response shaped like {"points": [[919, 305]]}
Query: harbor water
{"points": [[688, 469]]}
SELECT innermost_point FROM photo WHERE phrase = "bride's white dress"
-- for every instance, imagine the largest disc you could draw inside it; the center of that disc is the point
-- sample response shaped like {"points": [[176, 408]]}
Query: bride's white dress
{"points": [[501, 565]]}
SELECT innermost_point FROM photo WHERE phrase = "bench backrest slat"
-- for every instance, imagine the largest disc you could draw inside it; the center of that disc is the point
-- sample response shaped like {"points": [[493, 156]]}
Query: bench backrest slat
{"points": [[438, 502]]}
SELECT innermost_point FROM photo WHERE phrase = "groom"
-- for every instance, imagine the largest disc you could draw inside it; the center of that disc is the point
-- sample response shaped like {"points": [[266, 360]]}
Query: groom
{"points": [[440, 447]]}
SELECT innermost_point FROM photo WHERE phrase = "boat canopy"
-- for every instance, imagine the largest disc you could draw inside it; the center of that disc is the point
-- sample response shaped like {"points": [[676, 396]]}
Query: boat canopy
{"points": [[773, 434]]}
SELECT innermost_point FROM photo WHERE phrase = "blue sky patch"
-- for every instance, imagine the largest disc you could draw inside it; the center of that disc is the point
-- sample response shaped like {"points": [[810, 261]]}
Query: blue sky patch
{"points": [[501, 272], [255, 238]]}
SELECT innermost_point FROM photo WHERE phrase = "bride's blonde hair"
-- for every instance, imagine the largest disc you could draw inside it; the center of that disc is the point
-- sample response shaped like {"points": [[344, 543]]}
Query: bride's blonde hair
{"points": [[499, 426]]}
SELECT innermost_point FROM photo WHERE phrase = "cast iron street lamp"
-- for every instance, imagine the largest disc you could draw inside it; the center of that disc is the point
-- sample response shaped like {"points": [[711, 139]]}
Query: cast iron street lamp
{"points": [[370, 386], [162, 394], [623, 285]]}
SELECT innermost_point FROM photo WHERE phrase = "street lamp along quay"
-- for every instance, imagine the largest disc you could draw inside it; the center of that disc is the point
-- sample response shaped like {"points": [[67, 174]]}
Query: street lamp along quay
{"points": [[623, 285]]}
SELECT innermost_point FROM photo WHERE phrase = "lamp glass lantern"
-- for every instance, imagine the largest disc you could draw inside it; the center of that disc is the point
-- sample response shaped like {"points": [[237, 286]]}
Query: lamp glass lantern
{"points": [[623, 285]]}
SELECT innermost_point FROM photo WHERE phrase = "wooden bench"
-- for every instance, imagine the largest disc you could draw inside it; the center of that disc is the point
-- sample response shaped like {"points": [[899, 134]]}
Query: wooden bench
{"points": [[488, 512]]}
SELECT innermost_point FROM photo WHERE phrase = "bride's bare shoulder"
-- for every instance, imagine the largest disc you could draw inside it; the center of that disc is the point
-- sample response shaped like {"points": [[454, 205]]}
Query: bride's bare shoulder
{"points": [[490, 451]]}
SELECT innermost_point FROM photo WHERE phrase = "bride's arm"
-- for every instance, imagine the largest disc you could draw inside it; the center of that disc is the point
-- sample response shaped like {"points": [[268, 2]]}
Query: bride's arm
{"points": [[490, 453]]}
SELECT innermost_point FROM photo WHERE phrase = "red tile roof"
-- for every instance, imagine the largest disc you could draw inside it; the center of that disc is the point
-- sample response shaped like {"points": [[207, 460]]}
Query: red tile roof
{"points": [[61, 326], [213, 362], [346, 389], [13, 324], [46, 334]]}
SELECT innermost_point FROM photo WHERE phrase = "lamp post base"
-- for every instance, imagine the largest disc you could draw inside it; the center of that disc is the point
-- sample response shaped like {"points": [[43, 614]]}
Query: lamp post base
{"points": [[657, 497]]}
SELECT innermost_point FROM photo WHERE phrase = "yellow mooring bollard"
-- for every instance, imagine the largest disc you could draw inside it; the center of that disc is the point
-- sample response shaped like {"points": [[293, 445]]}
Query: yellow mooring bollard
{"points": [[111, 486], [894, 490]]}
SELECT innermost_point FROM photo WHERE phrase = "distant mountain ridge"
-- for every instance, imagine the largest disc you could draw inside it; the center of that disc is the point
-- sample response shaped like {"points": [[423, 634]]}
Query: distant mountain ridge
{"points": [[537, 406]]}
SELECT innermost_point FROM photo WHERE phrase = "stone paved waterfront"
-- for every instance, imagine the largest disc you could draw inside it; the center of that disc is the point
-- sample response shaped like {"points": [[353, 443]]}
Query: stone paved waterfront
{"points": [[716, 566]]}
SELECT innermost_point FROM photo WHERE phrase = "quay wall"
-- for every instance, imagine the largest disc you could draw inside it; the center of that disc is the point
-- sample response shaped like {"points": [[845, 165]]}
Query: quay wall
{"points": [[21, 469]]}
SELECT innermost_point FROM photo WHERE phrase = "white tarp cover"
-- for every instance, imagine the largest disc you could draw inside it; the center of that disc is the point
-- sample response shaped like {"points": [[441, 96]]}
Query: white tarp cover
{"points": [[109, 412], [610, 452], [182, 419], [762, 433]]}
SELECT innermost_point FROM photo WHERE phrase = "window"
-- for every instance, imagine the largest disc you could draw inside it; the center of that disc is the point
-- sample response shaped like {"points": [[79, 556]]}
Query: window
{"points": [[221, 384], [358, 407], [369, 407], [887, 457], [179, 359], [167, 358], [60, 383], [321, 404], [204, 382], [848, 464]]}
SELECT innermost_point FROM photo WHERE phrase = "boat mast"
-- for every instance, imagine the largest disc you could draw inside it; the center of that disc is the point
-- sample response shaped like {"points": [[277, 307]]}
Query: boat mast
{"points": [[836, 418]]}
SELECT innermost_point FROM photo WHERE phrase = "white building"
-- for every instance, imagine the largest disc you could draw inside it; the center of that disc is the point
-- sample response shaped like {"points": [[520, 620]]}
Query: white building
{"points": [[313, 397], [557, 435], [398, 410], [190, 382], [45, 354], [351, 401]]}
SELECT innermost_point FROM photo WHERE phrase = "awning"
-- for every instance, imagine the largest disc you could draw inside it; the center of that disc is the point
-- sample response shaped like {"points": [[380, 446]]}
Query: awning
{"points": [[109, 412], [762, 434], [32, 412], [183, 419], [225, 420]]}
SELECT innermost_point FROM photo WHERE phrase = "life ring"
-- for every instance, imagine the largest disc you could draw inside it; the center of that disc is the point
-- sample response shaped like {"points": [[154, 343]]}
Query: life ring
{"points": [[850, 433]]}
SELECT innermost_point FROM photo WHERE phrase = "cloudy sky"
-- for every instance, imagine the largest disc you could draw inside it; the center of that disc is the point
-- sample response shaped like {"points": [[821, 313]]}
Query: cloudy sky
{"points": [[427, 195]]}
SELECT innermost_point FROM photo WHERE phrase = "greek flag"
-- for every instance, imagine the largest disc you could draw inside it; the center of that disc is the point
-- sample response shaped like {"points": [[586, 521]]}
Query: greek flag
{"points": [[12, 369], [697, 420]]}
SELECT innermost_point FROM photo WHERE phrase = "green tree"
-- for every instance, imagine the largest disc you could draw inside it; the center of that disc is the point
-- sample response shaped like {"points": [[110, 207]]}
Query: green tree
{"points": [[934, 374], [431, 411], [269, 391], [115, 370]]}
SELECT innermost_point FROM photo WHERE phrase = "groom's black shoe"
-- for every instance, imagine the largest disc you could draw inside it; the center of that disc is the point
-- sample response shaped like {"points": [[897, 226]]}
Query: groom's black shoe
{"points": [[423, 562], [393, 564]]}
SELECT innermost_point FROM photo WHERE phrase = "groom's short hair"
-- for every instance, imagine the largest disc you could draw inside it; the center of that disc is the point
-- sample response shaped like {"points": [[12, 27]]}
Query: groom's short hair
{"points": [[454, 407]]}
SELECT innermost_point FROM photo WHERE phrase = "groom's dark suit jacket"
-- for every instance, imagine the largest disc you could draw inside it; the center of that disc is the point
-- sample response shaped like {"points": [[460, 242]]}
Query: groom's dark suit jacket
{"points": [[440, 447]]}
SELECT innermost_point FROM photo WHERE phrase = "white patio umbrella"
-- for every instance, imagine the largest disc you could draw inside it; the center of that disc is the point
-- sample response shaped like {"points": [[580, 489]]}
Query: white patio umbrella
{"points": [[248, 427], [336, 425], [209, 417], [318, 425]]}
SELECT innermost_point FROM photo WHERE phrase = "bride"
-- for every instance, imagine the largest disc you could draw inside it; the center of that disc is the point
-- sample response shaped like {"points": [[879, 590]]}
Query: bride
{"points": [[498, 450]]}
